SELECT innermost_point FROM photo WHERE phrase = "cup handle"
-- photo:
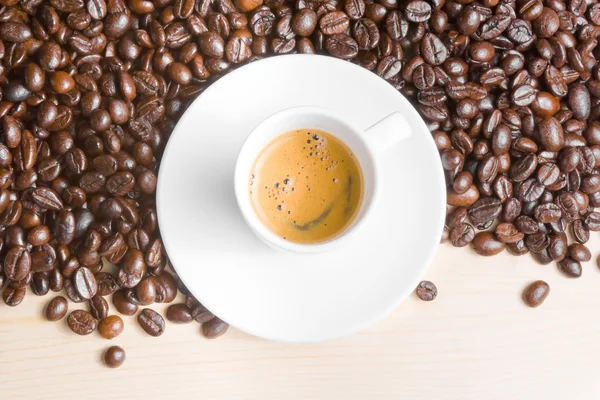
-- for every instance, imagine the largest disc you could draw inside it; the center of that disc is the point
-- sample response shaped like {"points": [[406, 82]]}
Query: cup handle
{"points": [[388, 131]]}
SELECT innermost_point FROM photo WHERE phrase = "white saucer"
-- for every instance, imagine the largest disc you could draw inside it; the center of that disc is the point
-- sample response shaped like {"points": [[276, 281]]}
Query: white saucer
{"points": [[285, 296]]}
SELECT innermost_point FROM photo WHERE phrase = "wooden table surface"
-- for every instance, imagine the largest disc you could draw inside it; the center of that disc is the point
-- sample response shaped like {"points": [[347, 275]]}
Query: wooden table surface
{"points": [[475, 341]]}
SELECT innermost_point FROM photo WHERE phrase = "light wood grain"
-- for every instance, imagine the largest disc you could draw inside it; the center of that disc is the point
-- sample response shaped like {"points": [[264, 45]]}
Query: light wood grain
{"points": [[475, 341]]}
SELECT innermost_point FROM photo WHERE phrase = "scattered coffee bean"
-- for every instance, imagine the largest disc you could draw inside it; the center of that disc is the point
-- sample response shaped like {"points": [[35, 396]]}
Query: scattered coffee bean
{"points": [[579, 252], [81, 322], [179, 314], [570, 267], [114, 356], [535, 293], [56, 308], [426, 291], [151, 322], [214, 328]]}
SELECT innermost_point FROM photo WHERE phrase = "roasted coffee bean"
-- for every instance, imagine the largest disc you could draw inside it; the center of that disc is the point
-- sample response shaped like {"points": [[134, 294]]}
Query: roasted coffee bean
{"points": [[56, 309], [570, 267], [13, 297], [592, 221], [179, 314], [486, 244], [547, 213], [536, 293], [518, 248], [151, 322], [81, 322], [17, 263], [462, 234], [507, 232], [114, 357], [579, 252], [123, 305], [40, 283], [85, 283], [426, 291], [485, 209], [214, 328], [557, 247], [111, 327], [98, 307]]}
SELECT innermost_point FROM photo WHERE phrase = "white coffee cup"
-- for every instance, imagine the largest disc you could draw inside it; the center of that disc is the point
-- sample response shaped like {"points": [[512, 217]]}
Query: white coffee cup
{"points": [[367, 145]]}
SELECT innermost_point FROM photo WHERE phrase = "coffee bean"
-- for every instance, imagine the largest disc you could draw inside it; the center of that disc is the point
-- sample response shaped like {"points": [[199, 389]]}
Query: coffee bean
{"points": [[485, 209], [114, 357], [547, 213], [507, 232], [85, 283], [214, 328], [81, 322], [486, 244], [17, 263], [557, 247], [462, 234], [579, 252], [335, 22], [570, 267], [341, 46], [98, 307], [122, 304], [426, 291], [110, 327], [56, 309], [151, 322], [535, 293], [179, 314], [200, 313], [433, 49]]}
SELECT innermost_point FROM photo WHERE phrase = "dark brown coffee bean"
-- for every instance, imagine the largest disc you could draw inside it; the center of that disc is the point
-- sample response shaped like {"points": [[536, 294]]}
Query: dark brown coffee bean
{"points": [[462, 234], [557, 247], [537, 241], [85, 283], [426, 291], [56, 309], [341, 46], [579, 252], [17, 263], [151, 322], [486, 244], [511, 210], [570, 267], [47, 199], [335, 22], [547, 213], [507, 232], [214, 328], [535, 293], [114, 357], [13, 296], [417, 11], [200, 313], [40, 283], [122, 304], [98, 307], [179, 314], [433, 49], [485, 209], [81, 322]]}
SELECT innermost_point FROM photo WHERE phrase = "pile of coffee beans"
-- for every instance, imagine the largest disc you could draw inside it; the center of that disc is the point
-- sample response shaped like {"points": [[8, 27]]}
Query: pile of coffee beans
{"points": [[91, 90]]}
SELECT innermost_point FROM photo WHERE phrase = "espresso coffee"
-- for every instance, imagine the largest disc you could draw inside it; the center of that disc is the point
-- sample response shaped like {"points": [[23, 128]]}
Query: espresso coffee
{"points": [[306, 186]]}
